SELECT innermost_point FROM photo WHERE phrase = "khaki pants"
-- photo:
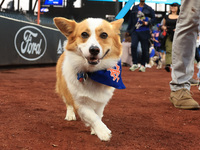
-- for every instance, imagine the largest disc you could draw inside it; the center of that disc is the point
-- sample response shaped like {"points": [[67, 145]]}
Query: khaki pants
{"points": [[184, 43], [168, 45]]}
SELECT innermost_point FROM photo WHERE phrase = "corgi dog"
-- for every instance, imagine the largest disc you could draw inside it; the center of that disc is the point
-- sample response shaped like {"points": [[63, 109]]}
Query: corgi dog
{"points": [[93, 48]]}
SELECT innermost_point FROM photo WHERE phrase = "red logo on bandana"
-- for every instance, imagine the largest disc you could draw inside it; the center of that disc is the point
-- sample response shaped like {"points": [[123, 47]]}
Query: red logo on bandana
{"points": [[115, 73]]}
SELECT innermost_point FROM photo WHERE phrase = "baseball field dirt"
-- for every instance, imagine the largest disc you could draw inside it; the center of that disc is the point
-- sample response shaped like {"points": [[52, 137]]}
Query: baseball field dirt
{"points": [[140, 117]]}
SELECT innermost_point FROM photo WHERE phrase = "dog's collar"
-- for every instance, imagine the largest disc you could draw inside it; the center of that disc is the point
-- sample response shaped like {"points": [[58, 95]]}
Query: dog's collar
{"points": [[110, 77], [82, 76]]}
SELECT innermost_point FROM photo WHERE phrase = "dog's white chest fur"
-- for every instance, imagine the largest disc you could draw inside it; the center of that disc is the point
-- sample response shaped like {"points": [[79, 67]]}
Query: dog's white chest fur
{"points": [[87, 90]]}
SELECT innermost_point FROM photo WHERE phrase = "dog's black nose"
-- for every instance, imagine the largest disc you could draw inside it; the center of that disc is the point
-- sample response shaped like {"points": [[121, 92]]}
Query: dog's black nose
{"points": [[94, 50]]}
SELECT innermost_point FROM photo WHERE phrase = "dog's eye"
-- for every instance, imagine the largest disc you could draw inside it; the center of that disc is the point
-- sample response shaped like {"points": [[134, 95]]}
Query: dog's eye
{"points": [[104, 35], [84, 35]]}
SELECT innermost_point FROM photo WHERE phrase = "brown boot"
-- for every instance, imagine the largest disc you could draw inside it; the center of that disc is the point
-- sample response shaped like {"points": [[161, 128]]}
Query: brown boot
{"points": [[183, 99]]}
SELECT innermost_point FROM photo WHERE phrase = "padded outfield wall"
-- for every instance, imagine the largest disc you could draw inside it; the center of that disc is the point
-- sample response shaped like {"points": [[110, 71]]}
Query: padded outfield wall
{"points": [[24, 43]]}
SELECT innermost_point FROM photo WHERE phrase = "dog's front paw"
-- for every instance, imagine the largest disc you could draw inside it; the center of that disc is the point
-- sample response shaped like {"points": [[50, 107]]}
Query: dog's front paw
{"points": [[101, 130], [105, 136]]}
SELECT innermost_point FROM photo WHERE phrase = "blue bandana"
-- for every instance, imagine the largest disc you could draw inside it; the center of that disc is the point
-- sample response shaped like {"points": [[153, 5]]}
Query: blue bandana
{"points": [[110, 77]]}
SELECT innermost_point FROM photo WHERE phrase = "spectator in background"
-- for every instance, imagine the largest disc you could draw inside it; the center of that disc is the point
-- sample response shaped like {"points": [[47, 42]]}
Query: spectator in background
{"points": [[162, 39], [156, 35], [159, 38], [183, 53], [140, 19], [126, 51], [169, 25]]}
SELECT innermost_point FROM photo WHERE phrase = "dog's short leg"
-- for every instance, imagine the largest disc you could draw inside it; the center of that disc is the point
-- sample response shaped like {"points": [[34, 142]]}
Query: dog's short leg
{"points": [[70, 115], [99, 112], [90, 117]]}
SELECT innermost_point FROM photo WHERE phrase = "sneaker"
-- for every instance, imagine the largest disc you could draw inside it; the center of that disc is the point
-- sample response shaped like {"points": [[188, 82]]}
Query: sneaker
{"points": [[142, 69], [133, 67], [147, 65], [193, 81], [183, 99]]}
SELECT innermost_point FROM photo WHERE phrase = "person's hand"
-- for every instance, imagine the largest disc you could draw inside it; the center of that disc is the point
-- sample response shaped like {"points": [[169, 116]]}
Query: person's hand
{"points": [[155, 40], [164, 28], [145, 23]]}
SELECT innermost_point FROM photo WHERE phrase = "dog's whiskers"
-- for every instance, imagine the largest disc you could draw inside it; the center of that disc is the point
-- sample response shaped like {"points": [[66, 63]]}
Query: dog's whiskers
{"points": [[105, 54]]}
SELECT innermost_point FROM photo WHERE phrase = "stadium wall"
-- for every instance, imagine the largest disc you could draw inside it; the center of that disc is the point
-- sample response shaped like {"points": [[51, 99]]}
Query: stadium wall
{"points": [[24, 43]]}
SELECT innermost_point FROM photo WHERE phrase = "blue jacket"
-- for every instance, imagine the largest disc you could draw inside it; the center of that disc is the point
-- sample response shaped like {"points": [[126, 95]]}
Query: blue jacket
{"points": [[148, 12]]}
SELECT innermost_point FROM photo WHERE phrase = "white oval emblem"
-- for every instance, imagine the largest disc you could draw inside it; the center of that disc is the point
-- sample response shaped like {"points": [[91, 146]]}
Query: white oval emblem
{"points": [[30, 43]]}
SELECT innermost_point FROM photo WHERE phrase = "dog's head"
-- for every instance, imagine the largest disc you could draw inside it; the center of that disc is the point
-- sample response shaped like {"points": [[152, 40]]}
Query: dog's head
{"points": [[140, 14], [94, 39]]}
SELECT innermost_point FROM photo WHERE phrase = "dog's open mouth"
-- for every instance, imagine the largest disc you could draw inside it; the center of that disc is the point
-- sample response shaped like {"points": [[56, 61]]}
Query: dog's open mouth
{"points": [[93, 60]]}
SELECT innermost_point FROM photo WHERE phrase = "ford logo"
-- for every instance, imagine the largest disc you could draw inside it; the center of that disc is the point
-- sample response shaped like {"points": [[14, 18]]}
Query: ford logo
{"points": [[30, 43]]}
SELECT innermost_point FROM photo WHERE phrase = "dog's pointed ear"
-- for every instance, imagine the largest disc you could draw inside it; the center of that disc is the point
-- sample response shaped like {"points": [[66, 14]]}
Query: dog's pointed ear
{"points": [[64, 25], [117, 25]]}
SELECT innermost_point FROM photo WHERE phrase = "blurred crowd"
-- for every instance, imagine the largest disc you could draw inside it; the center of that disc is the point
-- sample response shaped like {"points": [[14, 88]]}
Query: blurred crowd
{"points": [[147, 44], [172, 43]]}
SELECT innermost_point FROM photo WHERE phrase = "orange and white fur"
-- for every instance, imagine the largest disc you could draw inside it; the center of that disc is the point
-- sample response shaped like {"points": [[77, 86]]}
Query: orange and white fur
{"points": [[93, 44]]}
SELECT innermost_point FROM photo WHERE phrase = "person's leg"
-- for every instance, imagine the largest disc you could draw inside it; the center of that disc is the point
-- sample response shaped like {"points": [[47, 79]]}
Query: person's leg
{"points": [[184, 45], [197, 57], [168, 58], [168, 46], [144, 39], [139, 51], [183, 52], [134, 45]]}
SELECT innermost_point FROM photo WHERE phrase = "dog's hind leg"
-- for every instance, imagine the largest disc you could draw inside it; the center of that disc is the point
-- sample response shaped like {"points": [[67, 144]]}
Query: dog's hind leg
{"points": [[70, 115]]}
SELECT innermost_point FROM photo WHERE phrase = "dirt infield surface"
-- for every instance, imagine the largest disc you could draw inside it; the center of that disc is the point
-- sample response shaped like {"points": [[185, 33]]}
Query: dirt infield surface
{"points": [[140, 117]]}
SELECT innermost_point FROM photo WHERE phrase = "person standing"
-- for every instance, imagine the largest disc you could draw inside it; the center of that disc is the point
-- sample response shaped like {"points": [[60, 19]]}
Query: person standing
{"points": [[155, 37], [183, 54], [169, 25], [140, 19]]}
